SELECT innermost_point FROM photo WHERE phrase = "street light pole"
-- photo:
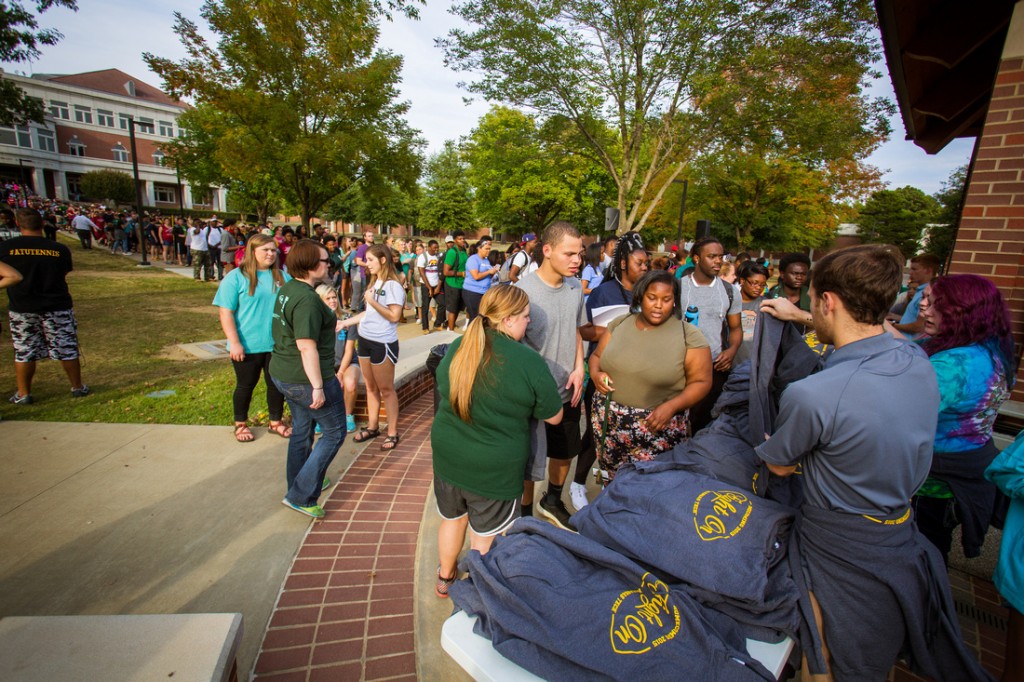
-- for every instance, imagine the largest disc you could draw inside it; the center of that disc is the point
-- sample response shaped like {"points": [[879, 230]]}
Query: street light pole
{"points": [[682, 209], [143, 246]]}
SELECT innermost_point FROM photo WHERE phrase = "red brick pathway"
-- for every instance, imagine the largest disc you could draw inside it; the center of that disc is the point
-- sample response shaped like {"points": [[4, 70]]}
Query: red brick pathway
{"points": [[346, 611]]}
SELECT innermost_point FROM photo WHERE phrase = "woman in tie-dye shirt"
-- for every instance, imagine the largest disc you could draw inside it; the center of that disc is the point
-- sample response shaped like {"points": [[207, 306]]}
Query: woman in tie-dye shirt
{"points": [[971, 349]]}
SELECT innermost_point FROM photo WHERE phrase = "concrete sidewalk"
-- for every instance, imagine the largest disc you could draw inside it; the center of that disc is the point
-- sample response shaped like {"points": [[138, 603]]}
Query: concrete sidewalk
{"points": [[134, 519]]}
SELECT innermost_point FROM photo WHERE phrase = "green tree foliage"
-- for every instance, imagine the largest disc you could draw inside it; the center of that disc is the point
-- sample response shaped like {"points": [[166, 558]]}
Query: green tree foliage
{"points": [[109, 185], [448, 197], [773, 201], [299, 95], [20, 40], [523, 176], [651, 84], [385, 205], [942, 234], [897, 216]]}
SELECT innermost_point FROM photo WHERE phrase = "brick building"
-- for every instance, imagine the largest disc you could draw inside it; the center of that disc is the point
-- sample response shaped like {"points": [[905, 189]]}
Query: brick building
{"points": [[86, 129], [958, 71]]}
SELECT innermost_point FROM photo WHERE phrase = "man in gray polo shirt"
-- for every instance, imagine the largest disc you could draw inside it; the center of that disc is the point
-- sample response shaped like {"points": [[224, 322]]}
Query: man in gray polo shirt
{"points": [[876, 587]]}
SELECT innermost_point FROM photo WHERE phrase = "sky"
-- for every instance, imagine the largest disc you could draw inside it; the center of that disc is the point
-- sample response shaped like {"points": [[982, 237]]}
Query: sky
{"points": [[106, 34]]}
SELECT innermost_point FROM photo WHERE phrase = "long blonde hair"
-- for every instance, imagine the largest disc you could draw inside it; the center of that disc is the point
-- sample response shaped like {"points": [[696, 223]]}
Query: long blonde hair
{"points": [[322, 290], [250, 266], [475, 351]]}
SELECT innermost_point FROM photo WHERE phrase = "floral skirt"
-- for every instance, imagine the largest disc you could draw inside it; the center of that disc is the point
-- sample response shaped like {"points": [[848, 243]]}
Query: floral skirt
{"points": [[621, 434]]}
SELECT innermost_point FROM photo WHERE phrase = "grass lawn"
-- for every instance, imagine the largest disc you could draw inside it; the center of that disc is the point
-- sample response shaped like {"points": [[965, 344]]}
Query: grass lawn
{"points": [[129, 320]]}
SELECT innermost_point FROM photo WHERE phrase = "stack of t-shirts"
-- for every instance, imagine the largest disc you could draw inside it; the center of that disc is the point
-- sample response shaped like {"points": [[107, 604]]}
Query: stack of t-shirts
{"points": [[725, 543], [566, 608]]}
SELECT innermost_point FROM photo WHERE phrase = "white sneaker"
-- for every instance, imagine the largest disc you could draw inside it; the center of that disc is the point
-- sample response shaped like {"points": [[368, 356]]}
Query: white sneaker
{"points": [[578, 495]]}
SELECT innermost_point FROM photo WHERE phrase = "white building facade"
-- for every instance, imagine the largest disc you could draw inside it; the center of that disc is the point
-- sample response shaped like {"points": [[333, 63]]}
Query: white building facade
{"points": [[86, 129]]}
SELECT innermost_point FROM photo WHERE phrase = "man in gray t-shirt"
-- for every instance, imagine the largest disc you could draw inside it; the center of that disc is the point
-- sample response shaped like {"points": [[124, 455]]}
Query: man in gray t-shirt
{"points": [[556, 314], [715, 302]]}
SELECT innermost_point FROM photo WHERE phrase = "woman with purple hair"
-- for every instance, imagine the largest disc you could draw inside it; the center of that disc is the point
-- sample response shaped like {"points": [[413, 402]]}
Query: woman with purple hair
{"points": [[970, 345]]}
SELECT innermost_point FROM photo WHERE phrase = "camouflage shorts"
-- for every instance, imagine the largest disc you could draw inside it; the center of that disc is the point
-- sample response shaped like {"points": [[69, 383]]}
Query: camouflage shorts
{"points": [[38, 336]]}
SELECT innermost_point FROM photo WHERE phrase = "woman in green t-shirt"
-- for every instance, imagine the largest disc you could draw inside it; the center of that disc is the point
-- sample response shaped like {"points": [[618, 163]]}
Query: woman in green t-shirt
{"points": [[648, 371], [480, 436]]}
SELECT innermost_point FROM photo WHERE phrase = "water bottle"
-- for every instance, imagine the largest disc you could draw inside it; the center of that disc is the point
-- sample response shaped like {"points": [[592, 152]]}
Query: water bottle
{"points": [[692, 315], [343, 333]]}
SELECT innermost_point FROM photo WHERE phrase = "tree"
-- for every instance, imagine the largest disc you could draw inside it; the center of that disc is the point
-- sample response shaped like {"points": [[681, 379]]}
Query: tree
{"points": [[942, 234], [448, 198], [386, 205], [650, 84], [522, 176], [897, 216], [20, 39], [301, 96], [770, 200], [109, 185]]}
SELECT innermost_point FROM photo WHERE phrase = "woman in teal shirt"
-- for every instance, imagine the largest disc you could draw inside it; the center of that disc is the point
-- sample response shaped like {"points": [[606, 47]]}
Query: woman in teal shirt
{"points": [[246, 301]]}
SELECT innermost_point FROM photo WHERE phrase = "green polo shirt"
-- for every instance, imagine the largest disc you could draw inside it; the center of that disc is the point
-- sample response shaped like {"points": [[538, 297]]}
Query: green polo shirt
{"points": [[805, 296], [300, 314], [488, 455]]}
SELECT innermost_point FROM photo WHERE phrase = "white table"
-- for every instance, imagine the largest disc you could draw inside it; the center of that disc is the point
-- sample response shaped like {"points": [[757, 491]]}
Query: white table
{"points": [[482, 661], [176, 647]]}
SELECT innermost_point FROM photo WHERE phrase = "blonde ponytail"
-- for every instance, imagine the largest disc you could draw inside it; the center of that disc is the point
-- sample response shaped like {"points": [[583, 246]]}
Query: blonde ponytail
{"points": [[476, 349]]}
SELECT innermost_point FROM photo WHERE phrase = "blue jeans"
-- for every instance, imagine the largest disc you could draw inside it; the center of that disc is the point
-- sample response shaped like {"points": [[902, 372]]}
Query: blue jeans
{"points": [[307, 463]]}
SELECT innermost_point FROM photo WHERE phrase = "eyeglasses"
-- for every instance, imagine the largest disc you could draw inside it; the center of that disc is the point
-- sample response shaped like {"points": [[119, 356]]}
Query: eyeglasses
{"points": [[325, 260]]}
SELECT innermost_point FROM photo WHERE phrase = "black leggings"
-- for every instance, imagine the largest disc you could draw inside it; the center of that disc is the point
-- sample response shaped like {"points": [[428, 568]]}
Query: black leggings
{"points": [[588, 450], [247, 375]]}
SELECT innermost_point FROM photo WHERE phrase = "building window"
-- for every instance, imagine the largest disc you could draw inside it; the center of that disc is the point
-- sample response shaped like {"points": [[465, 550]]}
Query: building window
{"points": [[75, 147], [158, 158], [60, 110], [144, 125], [18, 135], [165, 195], [166, 129], [45, 140], [83, 114], [105, 118], [122, 120], [120, 153], [74, 186]]}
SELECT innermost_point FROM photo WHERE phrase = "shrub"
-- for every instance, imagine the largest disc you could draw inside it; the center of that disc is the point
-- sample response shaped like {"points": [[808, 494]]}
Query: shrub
{"points": [[109, 185]]}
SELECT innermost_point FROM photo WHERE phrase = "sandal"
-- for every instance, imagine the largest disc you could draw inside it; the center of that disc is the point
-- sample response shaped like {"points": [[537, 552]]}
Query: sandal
{"points": [[365, 434], [441, 588], [281, 429], [390, 443], [243, 434]]}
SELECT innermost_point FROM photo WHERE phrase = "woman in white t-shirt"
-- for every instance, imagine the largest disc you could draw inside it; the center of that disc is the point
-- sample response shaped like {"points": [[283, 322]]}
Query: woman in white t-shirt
{"points": [[378, 343]]}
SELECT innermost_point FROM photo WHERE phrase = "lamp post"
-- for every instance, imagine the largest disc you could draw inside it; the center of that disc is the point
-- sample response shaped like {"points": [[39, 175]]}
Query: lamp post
{"points": [[682, 209], [143, 246], [181, 190]]}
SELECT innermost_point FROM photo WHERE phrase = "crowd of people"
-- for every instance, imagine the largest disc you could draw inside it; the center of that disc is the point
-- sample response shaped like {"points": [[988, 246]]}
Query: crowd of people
{"points": [[601, 354], [661, 339]]}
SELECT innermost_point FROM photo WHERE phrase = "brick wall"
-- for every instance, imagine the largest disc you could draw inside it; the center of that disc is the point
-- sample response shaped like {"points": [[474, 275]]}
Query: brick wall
{"points": [[409, 389], [990, 241]]}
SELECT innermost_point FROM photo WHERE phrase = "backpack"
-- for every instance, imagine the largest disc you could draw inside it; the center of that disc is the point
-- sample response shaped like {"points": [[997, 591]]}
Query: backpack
{"points": [[505, 274], [725, 322]]}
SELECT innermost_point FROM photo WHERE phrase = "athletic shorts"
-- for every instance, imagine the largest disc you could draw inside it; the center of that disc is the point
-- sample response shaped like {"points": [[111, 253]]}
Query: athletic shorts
{"points": [[564, 438], [378, 351], [38, 336], [453, 302], [486, 516]]}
